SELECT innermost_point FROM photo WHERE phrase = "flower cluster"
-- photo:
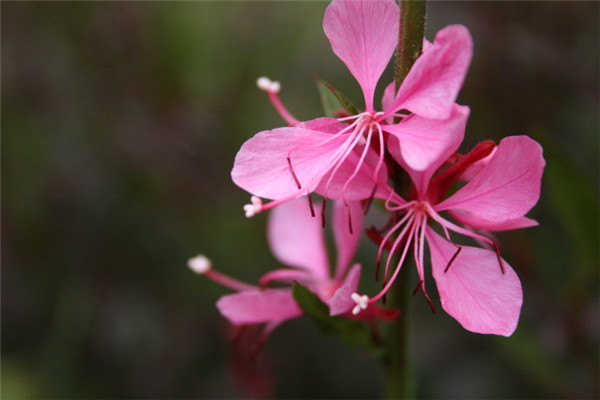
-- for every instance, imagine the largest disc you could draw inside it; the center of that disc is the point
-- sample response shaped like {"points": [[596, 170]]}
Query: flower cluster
{"points": [[355, 159]]}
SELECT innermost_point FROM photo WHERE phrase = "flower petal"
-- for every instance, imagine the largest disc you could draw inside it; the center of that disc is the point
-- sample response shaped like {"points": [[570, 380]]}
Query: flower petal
{"points": [[261, 165], [422, 145], [387, 100], [341, 301], [491, 226], [271, 305], [363, 34], [345, 241], [473, 290], [433, 82], [507, 187], [296, 238]]}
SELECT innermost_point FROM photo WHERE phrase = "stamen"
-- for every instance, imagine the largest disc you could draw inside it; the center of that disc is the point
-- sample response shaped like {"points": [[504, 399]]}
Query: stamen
{"points": [[499, 258], [289, 160], [389, 282], [349, 219], [383, 243], [267, 85], [200, 264], [421, 286], [272, 88], [408, 228], [361, 302], [323, 212], [361, 161], [429, 302], [416, 289], [343, 152], [254, 207], [310, 204], [449, 225], [203, 266], [453, 258], [370, 200]]}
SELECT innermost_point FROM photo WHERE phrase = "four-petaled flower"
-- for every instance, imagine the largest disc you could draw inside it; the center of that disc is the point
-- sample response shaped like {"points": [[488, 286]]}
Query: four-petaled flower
{"points": [[297, 240], [344, 158], [476, 286]]}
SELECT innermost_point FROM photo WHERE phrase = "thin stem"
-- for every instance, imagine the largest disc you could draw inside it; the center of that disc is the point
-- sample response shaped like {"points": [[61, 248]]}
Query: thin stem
{"points": [[410, 39], [401, 380], [400, 375]]}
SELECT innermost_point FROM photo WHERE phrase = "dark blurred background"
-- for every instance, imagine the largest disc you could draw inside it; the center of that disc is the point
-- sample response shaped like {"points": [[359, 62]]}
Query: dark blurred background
{"points": [[120, 123]]}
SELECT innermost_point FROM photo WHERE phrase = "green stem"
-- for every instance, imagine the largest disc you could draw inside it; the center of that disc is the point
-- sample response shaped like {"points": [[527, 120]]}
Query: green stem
{"points": [[410, 38], [400, 375]]}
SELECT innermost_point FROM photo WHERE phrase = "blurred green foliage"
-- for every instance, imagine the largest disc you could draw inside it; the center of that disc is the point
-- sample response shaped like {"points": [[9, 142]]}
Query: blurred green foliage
{"points": [[120, 124]]}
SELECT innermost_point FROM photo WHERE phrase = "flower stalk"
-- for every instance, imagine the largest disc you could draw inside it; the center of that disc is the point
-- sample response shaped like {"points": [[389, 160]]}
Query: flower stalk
{"points": [[400, 374], [410, 37]]}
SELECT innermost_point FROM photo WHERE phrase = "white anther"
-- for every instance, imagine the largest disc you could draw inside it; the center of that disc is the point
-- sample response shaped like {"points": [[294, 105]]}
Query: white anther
{"points": [[361, 302], [200, 264], [268, 85], [253, 208]]}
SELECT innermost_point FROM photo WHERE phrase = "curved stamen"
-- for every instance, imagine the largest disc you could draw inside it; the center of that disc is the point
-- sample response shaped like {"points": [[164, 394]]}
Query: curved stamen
{"points": [[404, 252], [203, 266], [285, 275], [272, 89], [377, 168], [359, 163], [398, 200], [459, 248], [390, 232], [453, 227], [256, 205], [291, 168], [323, 142], [410, 225], [357, 116], [343, 152]]}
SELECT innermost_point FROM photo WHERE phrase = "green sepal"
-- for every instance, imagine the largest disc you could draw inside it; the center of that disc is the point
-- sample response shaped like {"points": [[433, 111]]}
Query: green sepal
{"points": [[328, 99], [341, 99], [351, 332]]}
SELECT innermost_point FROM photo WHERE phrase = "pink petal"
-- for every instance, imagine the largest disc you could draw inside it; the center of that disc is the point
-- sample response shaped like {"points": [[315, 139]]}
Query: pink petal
{"points": [[363, 34], [271, 305], [433, 83], [491, 226], [422, 145], [324, 125], [296, 238], [387, 100], [341, 301], [261, 165], [473, 290], [508, 187], [345, 241]]}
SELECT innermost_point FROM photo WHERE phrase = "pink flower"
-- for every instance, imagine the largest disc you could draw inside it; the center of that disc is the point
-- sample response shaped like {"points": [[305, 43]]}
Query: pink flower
{"points": [[296, 240], [476, 286], [344, 158]]}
